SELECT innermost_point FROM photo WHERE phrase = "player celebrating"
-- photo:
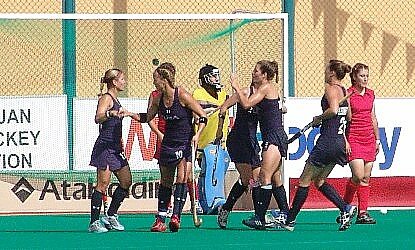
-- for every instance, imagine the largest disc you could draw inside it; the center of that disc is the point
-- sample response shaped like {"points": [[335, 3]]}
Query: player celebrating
{"points": [[274, 147], [108, 156], [243, 150], [176, 106], [330, 148]]}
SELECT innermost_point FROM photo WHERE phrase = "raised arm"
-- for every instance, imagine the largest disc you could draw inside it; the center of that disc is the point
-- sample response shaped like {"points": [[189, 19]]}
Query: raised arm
{"points": [[244, 100]]}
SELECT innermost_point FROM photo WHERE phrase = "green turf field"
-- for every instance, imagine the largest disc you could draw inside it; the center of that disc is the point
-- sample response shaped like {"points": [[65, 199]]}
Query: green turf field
{"points": [[314, 230]]}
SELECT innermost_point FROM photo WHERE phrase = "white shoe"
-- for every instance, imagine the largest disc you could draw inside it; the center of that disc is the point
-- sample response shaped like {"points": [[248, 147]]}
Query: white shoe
{"points": [[112, 222], [97, 227], [346, 218], [275, 219]]}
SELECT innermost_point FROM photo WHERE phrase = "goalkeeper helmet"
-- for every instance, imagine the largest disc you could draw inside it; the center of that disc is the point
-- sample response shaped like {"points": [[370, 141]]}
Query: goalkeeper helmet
{"points": [[209, 76]]}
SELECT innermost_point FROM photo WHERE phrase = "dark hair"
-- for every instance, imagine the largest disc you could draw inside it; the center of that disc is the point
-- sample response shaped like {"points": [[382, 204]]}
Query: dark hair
{"points": [[339, 68], [355, 69], [108, 77], [168, 72], [271, 68]]}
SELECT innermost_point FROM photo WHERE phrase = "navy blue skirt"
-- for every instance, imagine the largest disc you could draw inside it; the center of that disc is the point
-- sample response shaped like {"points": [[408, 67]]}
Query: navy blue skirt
{"points": [[243, 149], [278, 138], [172, 152], [328, 151], [108, 154]]}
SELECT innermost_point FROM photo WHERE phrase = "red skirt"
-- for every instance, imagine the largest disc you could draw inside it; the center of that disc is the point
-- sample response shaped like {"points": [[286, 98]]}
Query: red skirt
{"points": [[363, 147]]}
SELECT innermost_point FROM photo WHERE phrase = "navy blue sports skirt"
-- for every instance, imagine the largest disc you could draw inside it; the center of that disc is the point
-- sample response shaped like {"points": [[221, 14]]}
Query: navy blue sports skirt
{"points": [[172, 152], [243, 149], [278, 138], [108, 154], [328, 150]]}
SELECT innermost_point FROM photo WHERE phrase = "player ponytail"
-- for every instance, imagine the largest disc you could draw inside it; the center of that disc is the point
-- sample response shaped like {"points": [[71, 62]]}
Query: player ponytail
{"points": [[269, 67]]}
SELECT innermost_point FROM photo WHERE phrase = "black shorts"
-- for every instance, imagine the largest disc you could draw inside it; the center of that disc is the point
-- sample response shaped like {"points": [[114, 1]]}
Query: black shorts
{"points": [[328, 151]]}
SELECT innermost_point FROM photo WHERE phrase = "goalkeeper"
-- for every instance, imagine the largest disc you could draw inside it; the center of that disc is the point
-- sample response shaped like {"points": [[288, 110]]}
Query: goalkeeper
{"points": [[210, 96]]}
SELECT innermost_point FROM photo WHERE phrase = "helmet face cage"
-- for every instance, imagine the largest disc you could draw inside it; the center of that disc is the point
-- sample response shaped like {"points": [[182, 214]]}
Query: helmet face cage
{"points": [[216, 82]]}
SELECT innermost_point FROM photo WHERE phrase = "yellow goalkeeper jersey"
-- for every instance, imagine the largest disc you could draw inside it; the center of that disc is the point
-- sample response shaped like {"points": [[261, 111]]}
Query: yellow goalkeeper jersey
{"points": [[208, 134]]}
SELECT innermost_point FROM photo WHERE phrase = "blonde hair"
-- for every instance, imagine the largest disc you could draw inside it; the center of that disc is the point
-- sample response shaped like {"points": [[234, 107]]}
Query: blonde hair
{"points": [[108, 77]]}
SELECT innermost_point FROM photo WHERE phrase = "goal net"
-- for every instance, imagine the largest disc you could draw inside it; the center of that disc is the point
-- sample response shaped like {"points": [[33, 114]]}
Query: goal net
{"points": [[52, 66]]}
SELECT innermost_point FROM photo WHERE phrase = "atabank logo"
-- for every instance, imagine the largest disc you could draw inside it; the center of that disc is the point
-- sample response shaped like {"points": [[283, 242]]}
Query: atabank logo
{"points": [[66, 190], [23, 189]]}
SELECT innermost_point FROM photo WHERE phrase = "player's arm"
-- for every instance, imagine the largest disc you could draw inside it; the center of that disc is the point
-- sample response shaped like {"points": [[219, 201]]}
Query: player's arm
{"points": [[229, 102], [152, 110], [333, 101], [207, 106], [103, 113], [375, 128], [244, 100], [152, 122], [189, 102]]}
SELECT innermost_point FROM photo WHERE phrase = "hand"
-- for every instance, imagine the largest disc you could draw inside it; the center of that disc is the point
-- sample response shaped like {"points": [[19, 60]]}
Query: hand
{"points": [[195, 140], [348, 148], [218, 139], [123, 112], [234, 82], [316, 121], [377, 148], [283, 109]]}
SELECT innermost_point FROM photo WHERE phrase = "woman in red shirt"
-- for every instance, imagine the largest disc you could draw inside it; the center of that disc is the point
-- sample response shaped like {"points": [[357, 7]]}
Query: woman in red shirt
{"points": [[362, 141]]}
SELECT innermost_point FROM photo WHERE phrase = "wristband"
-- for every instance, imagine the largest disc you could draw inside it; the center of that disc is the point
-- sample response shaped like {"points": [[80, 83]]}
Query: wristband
{"points": [[378, 142], [107, 114], [203, 120]]}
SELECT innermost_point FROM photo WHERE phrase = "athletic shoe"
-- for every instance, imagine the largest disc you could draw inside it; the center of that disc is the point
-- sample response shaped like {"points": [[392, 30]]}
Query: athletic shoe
{"points": [[158, 225], [346, 217], [275, 219], [338, 217], [365, 218], [112, 222], [97, 227], [223, 215], [174, 224], [288, 226], [279, 217], [254, 222]]}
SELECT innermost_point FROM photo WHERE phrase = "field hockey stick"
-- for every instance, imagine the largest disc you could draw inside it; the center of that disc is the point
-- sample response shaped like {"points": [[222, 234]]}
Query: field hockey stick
{"points": [[310, 124], [210, 111], [196, 220]]}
